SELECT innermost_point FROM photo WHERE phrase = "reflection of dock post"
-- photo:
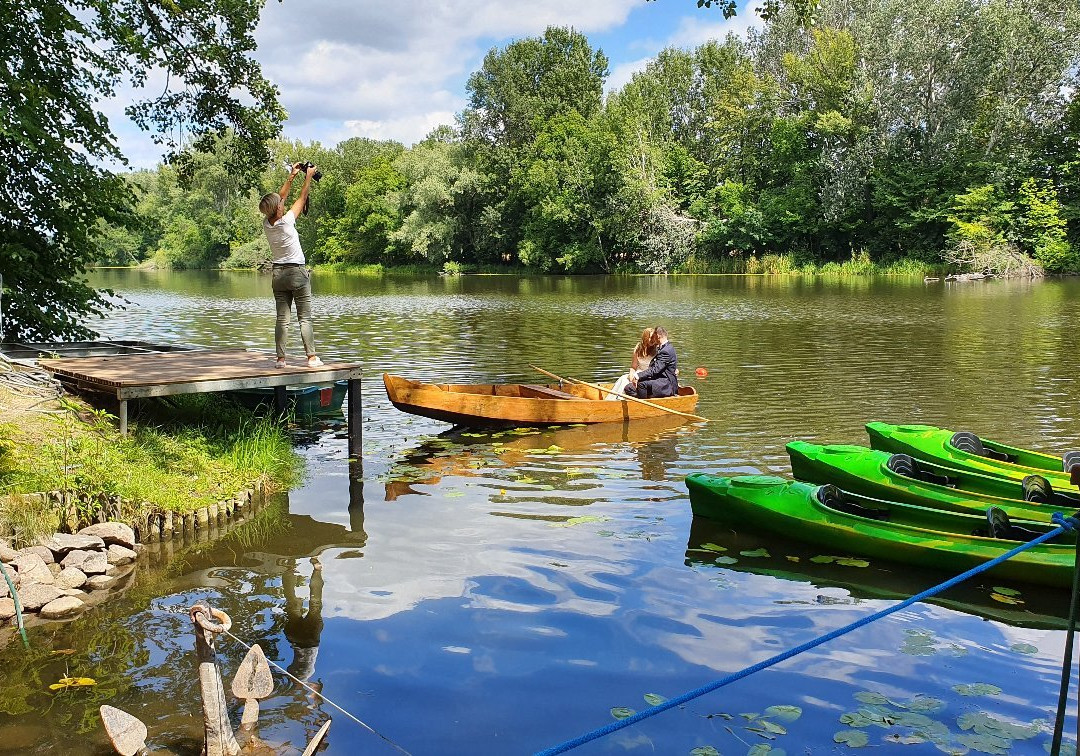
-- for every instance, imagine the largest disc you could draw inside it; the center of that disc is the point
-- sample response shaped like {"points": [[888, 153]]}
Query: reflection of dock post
{"points": [[356, 426]]}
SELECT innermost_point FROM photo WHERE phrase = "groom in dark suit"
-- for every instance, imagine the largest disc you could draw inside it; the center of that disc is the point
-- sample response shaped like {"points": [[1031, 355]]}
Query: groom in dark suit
{"points": [[659, 379]]}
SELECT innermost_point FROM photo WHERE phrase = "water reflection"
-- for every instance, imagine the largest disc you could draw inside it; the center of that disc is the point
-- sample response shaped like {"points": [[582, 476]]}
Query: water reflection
{"points": [[498, 593]]}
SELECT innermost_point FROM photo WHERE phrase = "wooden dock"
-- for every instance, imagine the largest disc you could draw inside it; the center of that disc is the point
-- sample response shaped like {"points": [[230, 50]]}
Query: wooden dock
{"points": [[138, 376]]}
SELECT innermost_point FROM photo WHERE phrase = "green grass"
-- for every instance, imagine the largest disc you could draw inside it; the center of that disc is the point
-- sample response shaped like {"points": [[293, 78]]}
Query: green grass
{"points": [[182, 453], [859, 264]]}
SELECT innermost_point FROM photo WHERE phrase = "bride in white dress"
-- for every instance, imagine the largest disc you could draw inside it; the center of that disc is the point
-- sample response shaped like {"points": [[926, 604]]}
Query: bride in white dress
{"points": [[643, 354]]}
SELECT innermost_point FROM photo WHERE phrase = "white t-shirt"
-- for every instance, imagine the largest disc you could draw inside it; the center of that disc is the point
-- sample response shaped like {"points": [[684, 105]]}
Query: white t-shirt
{"points": [[284, 241]]}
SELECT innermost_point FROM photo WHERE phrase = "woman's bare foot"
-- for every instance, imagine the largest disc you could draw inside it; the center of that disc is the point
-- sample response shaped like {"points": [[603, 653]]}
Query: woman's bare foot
{"points": [[280, 362], [314, 361]]}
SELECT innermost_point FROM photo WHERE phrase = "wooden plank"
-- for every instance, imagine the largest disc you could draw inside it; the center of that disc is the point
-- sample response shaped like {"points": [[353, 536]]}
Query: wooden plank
{"points": [[230, 384], [219, 367]]}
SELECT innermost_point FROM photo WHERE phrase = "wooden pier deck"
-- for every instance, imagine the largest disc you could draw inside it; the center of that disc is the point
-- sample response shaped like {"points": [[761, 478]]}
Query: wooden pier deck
{"points": [[138, 376]]}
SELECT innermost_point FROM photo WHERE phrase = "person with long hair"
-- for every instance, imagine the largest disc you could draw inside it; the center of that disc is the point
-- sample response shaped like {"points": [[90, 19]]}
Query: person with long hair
{"points": [[292, 279], [661, 377], [640, 360]]}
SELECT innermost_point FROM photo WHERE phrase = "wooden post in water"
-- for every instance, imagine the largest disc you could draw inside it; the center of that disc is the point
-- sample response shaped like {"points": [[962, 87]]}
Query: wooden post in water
{"points": [[356, 428], [281, 400], [219, 738]]}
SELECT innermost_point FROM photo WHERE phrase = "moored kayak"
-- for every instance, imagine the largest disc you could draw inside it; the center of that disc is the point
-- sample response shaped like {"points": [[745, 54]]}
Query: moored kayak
{"points": [[898, 477], [904, 533], [966, 451]]}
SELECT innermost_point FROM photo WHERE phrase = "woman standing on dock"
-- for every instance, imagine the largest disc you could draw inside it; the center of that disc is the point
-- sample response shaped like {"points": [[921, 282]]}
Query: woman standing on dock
{"points": [[292, 279]]}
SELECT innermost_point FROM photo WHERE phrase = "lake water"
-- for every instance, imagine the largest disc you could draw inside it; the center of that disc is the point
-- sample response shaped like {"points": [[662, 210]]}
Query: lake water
{"points": [[497, 595]]}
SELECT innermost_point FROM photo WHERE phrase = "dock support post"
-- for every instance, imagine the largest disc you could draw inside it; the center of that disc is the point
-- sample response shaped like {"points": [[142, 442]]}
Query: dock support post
{"points": [[123, 417], [356, 426], [281, 400]]}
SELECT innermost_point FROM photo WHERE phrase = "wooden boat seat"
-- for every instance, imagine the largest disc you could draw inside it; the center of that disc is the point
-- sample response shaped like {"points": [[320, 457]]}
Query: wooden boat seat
{"points": [[547, 393]]}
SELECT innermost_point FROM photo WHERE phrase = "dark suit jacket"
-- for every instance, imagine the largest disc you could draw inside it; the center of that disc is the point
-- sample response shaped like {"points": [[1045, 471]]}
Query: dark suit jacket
{"points": [[659, 378]]}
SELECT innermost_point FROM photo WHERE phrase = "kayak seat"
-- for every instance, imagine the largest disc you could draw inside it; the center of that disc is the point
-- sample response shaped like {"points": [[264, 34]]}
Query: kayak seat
{"points": [[1037, 489], [905, 464], [833, 498], [972, 444], [999, 526], [1069, 460]]}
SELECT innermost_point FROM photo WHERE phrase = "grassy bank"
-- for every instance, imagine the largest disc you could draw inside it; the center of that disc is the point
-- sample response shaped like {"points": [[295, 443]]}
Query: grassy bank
{"points": [[860, 264], [181, 454]]}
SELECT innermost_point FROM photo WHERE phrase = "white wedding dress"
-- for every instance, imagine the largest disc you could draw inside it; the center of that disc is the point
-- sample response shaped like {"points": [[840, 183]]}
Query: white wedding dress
{"points": [[620, 385]]}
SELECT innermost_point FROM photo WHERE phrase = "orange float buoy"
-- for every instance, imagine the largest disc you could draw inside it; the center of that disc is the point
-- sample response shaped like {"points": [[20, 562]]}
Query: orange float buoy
{"points": [[701, 372]]}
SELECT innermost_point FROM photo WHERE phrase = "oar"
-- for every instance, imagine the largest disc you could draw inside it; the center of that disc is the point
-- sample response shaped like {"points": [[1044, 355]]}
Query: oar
{"points": [[629, 398]]}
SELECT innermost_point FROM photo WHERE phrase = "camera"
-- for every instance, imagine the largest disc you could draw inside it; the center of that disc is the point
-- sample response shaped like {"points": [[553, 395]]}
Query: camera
{"points": [[303, 169]]}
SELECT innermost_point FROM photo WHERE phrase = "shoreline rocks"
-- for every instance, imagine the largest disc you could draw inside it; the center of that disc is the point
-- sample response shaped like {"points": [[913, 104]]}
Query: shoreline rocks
{"points": [[63, 575]]}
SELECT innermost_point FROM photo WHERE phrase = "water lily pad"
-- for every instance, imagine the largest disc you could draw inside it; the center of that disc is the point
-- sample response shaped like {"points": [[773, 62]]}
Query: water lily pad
{"points": [[749, 716], [850, 562], [1067, 749], [712, 547], [576, 521], [978, 689], [454, 494], [822, 559], [73, 682], [772, 727], [999, 597], [852, 738], [756, 553], [622, 712], [764, 749], [654, 699], [784, 712], [726, 560], [704, 751], [1024, 648], [985, 743], [871, 697], [1006, 591], [792, 558], [923, 703], [913, 739]]}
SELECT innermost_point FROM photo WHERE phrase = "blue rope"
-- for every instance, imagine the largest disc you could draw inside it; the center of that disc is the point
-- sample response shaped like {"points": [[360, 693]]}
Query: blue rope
{"points": [[1064, 524]]}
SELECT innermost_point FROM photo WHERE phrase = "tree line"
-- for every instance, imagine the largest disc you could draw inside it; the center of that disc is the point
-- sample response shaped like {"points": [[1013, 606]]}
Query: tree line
{"points": [[917, 130]]}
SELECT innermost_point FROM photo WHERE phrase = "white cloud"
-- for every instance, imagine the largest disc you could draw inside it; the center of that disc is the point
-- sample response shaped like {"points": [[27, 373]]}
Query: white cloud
{"points": [[623, 72]]}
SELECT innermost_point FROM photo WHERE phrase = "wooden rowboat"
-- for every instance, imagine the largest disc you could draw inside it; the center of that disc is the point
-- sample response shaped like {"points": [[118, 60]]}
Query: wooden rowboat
{"points": [[488, 404]]}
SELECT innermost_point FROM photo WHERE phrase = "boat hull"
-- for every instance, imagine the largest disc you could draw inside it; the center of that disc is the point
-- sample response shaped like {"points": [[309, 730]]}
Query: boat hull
{"points": [[493, 405], [920, 536]]}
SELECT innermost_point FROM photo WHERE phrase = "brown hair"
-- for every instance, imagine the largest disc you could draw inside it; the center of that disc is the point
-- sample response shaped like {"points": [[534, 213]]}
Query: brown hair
{"points": [[270, 204], [659, 333], [646, 346]]}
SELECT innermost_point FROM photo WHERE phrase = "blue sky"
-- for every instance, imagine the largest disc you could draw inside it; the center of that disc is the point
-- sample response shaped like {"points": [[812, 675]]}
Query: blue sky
{"points": [[394, 71]]}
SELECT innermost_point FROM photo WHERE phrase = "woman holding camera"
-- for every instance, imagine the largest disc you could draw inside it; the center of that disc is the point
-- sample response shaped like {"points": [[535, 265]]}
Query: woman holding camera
{"points": [[292, 279]]}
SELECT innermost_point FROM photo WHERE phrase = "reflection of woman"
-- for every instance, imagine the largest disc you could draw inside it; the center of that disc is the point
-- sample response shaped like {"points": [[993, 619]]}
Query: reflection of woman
{"points": [[303, 630], [643, 354]]}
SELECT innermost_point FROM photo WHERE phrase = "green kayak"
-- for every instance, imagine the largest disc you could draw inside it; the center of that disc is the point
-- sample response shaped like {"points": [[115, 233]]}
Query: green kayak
{"points": [[898, 477], [904, 533], [966, 451]]}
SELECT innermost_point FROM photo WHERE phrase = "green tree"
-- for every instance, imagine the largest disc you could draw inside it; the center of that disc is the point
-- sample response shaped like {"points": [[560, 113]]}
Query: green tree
{"points": [[60, 59]]}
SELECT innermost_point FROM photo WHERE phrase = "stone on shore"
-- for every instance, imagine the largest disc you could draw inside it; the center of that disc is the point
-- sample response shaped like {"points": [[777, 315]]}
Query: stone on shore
{"points": [[100, 582], [111, 532], [90, 562], [42, 551], [121, 554], [65, 606], [37, 595], [6, 552], [71, 577], [62, 543], [4, 591], [32, 569], [7, 609]]}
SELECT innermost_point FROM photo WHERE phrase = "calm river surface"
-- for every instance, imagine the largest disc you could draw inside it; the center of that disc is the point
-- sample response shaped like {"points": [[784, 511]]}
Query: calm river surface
{"points": [[498, 595]]}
